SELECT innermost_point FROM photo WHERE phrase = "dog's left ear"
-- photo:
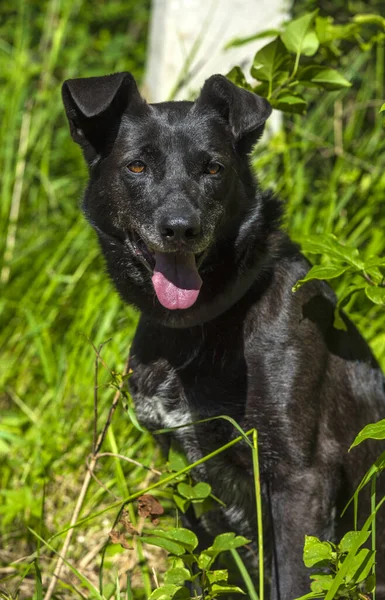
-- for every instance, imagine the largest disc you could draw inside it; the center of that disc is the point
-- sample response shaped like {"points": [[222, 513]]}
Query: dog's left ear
{"points": [[245, 112]]}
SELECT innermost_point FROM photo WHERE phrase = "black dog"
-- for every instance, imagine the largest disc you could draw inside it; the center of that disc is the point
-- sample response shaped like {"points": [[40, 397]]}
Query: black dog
{"points": [[192, 242]]}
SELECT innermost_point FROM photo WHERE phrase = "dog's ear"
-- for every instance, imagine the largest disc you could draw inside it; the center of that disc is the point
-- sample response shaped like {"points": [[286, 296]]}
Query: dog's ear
{"points": [[245, 112], [94, 106]]}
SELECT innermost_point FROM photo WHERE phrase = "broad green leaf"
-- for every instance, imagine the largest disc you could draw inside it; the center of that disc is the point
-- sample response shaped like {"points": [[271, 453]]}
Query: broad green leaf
{"points": [[348, 540], [237, 76], [182, 503], [185, 537], [251, 38], [228, 541], [166, 544], [176, 458], [376, 261], [270, 63], [324, 77], [382, 109], [375, 294], [186, 490], [322, 272], [321, 582], [202, 490], [180, 535], [218, 589], [222, 543], [197, 492], [360, 566], [373, 431], [205, 560], [328, 244], [298, 38], [315, 551], [177, 576], [370, 584], [217, 575], [290, 103]]}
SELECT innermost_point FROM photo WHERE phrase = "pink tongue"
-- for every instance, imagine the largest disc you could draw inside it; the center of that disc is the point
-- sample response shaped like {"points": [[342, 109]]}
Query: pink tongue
{"points": [[176, 280]]}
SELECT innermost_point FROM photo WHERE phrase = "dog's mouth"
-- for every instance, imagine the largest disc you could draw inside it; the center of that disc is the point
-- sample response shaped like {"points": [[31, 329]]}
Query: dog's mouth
{"points": [[175, 275]]}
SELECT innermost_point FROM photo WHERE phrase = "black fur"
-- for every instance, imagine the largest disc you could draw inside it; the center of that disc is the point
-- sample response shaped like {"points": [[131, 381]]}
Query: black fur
{"points": [[248, 347]]}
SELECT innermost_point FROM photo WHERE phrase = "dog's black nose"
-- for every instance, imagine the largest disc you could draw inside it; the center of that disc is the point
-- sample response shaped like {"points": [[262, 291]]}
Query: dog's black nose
{"points": [[179, 228]]}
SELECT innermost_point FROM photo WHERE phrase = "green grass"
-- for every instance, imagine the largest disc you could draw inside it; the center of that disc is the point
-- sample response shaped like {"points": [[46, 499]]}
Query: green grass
{"points": [[56, 297]]}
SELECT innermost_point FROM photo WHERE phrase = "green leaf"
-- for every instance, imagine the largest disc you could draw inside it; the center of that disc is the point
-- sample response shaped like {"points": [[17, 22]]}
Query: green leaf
{"points": [[222, 543], [176, 458], [316, 552], [324, 77], [169, 545], [182, 503], [177, 576], [186, 490], [298, 38], [251, 38], [228, 541], [370, 584], [290, 103], [373, 431], [270, 63], [217, 575], [180, 535], [327, 244], [237, 76], [376, 261], [322, 272], [349, 539], [382, 109], [205, 560], [375, 294], [360, 566], [218, 589], [202, 490], [321, 582]]}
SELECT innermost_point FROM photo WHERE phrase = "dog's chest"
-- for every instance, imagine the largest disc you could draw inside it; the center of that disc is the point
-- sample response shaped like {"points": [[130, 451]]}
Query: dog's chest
{"points": [[168, 396]]}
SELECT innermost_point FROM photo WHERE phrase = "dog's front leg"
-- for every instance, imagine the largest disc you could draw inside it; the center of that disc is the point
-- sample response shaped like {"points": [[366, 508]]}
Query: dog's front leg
{"points": [[300, 505]]}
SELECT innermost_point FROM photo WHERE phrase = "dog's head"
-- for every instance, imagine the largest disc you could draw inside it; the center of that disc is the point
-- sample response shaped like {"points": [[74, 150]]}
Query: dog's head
{"points": [[169, 182]]}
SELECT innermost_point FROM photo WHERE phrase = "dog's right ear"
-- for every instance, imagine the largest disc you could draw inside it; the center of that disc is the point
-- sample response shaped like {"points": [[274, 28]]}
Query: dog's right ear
{"points": [[94, 106]]}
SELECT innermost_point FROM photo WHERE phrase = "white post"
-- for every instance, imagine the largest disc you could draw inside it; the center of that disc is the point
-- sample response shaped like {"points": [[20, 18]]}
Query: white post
{"points": [[188, 37]]}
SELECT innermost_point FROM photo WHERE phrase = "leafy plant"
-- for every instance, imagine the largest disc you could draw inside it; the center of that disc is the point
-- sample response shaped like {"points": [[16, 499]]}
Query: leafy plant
{"points": [[300, 57], [189, 565], [357, 579]]}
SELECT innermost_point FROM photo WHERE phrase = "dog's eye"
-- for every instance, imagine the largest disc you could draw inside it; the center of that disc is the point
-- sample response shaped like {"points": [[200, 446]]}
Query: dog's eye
{"points": [[136, 166], [213, 168]]}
